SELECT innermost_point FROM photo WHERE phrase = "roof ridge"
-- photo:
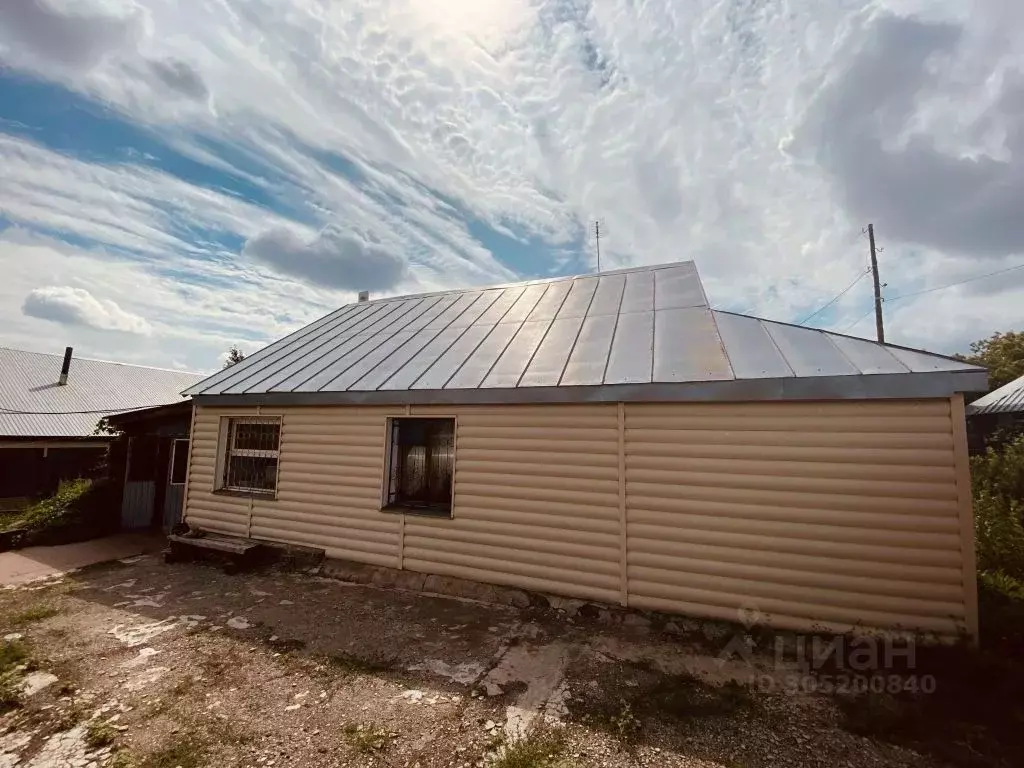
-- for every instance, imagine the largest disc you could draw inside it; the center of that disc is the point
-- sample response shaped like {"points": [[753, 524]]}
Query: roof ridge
{"points": [[524, 283], [105, 362]]}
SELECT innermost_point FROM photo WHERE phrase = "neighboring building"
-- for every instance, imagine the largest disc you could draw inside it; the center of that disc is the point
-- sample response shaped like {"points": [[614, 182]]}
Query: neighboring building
{"points": [[149, 459], [49, 409], [607, 437], [999, 410]]}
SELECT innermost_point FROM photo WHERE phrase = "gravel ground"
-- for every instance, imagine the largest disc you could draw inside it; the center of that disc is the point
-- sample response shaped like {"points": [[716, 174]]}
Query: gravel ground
{"points": [[139, 663]]}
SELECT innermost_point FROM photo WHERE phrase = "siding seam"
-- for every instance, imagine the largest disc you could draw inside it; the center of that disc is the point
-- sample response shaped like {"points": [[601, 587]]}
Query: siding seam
{"points": [[623, 539], [958, 423]]}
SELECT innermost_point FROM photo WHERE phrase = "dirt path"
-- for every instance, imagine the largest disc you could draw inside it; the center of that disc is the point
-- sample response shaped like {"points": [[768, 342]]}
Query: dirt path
{"points": [[160, 666]]}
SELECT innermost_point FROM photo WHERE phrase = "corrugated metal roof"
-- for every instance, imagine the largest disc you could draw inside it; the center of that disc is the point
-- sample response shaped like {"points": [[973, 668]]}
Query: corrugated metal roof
{"points": [[28, 383], [650, 325], [1009, 398]]}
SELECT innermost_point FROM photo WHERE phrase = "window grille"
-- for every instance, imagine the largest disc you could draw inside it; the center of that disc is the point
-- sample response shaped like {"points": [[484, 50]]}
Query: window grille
{"points": [[421, 464], [251, 454]]}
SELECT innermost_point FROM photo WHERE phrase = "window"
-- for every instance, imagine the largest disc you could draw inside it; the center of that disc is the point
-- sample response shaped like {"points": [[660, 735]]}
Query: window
{"points": [[179, 462], [250, 455], [421, 460]]}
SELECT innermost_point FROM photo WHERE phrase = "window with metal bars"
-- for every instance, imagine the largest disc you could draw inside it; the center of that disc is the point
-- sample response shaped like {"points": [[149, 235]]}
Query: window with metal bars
{"points": [[421, 464], [251, 452]]}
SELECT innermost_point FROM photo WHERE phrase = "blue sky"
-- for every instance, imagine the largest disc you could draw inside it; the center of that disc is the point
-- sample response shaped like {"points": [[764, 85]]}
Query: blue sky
{"points": [[176, 178]]}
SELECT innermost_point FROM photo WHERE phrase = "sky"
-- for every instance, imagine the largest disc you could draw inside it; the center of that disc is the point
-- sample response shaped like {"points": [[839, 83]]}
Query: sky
{"points": [[180, 177]]}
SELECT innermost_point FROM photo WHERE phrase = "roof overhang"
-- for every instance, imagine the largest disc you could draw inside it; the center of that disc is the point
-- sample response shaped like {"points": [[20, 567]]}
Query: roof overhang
{"points": [[865, 387]]}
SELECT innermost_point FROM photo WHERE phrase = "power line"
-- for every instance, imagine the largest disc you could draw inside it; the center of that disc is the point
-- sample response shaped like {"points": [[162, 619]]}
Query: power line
{"points": [[74, 413], [859, 319], [951, 285], [835, 298]]}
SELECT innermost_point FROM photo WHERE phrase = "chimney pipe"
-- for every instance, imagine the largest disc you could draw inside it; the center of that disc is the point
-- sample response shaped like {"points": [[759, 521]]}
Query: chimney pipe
{"points": [[364, 296], [66, 366]]}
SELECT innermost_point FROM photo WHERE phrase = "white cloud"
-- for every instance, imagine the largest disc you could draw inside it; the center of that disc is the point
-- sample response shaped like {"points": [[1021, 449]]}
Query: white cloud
{"points": [[76, 306], [739, 134]]}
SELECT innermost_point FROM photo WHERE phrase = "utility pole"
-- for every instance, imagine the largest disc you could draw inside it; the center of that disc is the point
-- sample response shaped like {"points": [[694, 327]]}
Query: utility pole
{"points": [[597, 241], [879, 328]]}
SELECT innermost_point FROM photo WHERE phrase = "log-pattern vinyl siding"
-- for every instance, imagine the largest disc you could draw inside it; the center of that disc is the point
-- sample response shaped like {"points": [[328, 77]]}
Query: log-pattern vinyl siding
{"points": [[835, 514], [536, 501], [328, 489], [820, 515]]}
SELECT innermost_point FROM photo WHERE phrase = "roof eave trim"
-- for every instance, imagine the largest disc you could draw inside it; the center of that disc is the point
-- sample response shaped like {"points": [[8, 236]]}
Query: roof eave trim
{"points": [[863, 387]]}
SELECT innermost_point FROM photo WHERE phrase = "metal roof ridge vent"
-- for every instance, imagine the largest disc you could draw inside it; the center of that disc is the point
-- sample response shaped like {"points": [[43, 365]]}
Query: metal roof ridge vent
{"points": [[364, 296], [65, 367]]}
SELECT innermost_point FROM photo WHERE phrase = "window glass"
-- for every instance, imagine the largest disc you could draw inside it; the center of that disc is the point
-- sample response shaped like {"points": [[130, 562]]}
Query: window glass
{"points": [[422, 464], [179, 462]]}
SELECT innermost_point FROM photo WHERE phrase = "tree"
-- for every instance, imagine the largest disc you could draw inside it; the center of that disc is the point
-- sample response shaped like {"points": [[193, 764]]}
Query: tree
{"points": [[235, 355], [1002, 354]]}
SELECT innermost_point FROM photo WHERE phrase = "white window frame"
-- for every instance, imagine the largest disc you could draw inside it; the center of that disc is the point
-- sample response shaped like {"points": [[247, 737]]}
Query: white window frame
{"points": [[174, 455], [224, 450]]}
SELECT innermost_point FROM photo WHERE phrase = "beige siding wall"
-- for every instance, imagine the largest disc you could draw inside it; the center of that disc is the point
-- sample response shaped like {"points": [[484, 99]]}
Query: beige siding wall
{"points": [[815, 513], [822, 515]]}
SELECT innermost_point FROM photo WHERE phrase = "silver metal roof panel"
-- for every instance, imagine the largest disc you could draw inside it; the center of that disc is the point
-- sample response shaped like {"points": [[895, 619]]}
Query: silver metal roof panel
{"points": [[551, 356], [500, 307], [631, 358], [551, 301], [678, 287], [1009, 398], [608, 296], [809, 352], [479, 364], [619, 330], [421, 361], [868, 356], [445, 366], [687, 346], [752, 353], [925, 362], [639, 293], [517, 355], [579, 298], [589, 356], [34, 405]]}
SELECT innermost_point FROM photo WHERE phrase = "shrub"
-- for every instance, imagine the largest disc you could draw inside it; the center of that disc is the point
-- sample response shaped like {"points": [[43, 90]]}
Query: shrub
{"points": [[997, 477], [80, 509]]}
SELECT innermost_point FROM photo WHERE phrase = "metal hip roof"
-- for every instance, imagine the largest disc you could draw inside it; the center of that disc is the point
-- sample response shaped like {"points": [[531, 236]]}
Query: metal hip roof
{"points": [[630, 328]]}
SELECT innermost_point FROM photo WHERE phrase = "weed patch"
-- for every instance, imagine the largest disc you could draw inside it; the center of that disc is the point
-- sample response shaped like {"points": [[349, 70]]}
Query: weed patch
{"points": [[35, 613], [367, 738], [99, 734], [183, 753], [540, 748]]}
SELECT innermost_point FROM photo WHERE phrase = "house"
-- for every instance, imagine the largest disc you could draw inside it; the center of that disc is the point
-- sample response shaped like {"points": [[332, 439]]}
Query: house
{"points": [[149, 460], [608, 437], [1001, 409], [49, 409]]}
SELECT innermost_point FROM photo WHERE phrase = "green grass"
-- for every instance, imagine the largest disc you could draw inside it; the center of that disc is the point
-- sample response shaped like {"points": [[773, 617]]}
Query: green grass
{"points": [[187, 752], [10, 693], [11, 655], [367, 738], [34, 613], [55, 511], [99, 735], [540, 748]]}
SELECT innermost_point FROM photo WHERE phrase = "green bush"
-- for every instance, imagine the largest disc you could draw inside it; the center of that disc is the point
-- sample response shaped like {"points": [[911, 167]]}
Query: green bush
{"points": [[80, 509], [997, 477]]}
